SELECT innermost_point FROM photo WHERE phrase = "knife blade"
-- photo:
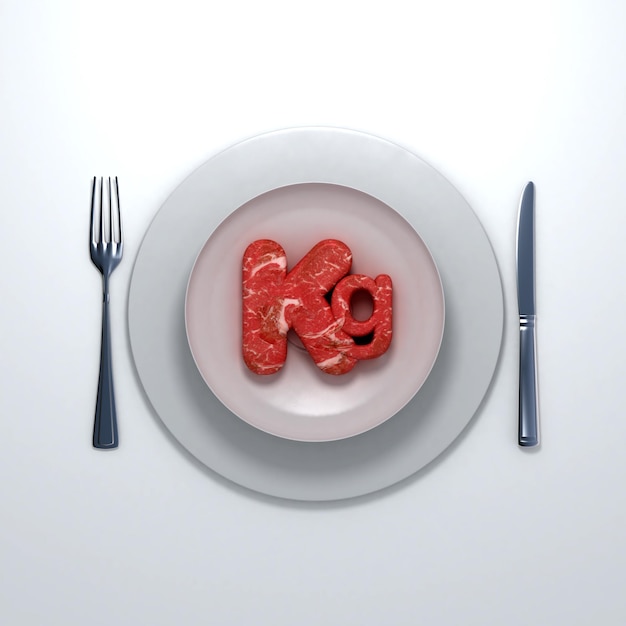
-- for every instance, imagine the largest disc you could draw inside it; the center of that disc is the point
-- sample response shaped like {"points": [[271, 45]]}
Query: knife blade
{"points": [[528, 428]]}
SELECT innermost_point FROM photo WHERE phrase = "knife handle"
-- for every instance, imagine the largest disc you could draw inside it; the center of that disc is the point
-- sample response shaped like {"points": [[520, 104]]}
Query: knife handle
{"points": [[528, 405]]}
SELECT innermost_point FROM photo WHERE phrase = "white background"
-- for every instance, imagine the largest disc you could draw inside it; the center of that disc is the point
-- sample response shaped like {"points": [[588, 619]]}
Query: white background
{"points": [[492, 94]]}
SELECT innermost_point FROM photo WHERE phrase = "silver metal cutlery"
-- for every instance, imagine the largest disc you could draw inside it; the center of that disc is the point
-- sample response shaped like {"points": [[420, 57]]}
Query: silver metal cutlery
{"points": [[106, 247], [528, 434]]}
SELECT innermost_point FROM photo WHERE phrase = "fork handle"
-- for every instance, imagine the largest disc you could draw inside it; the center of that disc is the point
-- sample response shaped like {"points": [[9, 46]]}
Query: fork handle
{"points": [[105, 422]]}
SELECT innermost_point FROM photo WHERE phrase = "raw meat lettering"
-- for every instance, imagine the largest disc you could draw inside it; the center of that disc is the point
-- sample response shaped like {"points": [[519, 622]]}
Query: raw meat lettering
{"points": [[275, 301]]}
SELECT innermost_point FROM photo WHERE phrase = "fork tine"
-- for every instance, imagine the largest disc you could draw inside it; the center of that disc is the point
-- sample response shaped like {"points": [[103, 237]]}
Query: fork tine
{"points": [[102, 218], [93, 210], [111, 238], [120, 238]]}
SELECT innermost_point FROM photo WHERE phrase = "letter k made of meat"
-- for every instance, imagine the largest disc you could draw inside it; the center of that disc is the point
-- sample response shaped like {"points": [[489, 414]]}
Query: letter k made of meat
{"points": [[275, 301]]}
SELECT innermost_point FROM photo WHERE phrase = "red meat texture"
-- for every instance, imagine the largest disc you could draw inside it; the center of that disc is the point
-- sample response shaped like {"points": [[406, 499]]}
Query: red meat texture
{"points": [[275, 301]]}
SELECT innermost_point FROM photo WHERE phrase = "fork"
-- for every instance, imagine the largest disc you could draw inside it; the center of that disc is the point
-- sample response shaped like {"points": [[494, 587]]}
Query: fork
{"points": [[106, 246]]}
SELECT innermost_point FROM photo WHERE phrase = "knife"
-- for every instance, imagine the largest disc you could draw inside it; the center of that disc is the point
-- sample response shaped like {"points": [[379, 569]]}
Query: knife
{"points": [[528, 435]]}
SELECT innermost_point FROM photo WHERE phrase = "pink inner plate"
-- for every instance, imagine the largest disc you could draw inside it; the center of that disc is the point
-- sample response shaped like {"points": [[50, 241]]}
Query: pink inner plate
{"points": [[300, 402]]}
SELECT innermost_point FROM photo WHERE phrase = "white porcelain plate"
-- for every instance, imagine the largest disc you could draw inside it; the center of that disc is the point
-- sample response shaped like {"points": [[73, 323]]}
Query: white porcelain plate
{"points": [[301, 402], [426, 425]]}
